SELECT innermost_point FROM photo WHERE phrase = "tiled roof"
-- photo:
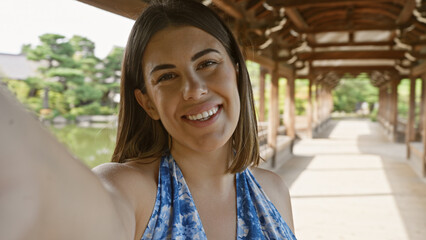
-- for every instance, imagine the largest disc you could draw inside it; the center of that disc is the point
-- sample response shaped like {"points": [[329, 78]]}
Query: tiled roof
{"points": [[16, 66]]}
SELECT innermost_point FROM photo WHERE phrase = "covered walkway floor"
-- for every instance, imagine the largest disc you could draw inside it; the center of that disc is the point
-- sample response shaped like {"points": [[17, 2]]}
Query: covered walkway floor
{"points": [[352, 183]]}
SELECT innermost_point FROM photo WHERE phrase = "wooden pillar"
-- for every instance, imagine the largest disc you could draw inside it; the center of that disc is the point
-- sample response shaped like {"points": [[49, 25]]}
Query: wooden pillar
{"points": [[379, 100], [262, 76], [309, 108], [323, 103], [330, 103], [387, 117], [290, 107], [388, 109], [424, 126], [317, 104], [320, 104], [380, 110], [394, 104], [383, 108], [273, 113], [422, 102], [409, 131], [315, 107]]}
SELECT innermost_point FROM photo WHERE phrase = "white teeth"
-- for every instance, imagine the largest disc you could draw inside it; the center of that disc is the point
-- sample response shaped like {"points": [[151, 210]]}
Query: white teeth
{"points": [[204, 115]]}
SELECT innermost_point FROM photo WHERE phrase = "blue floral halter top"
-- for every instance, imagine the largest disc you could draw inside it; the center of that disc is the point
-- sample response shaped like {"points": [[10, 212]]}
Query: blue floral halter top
{"points": [[175, 215]]}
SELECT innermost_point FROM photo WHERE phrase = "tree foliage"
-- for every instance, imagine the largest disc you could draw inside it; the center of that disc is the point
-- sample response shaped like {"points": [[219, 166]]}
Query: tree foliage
{"points": [[352, 91], [71, 80]]}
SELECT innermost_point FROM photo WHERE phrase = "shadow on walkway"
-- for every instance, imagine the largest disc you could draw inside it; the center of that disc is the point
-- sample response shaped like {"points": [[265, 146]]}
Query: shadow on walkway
{"points": [[351, 183]]}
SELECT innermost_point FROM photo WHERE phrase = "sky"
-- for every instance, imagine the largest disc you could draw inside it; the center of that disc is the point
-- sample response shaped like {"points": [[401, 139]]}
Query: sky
{"points": [[23, 21]]}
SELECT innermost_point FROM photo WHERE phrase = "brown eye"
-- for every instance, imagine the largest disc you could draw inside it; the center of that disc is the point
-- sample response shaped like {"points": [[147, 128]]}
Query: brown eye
{"points": [[205, 64], [165, 77]]}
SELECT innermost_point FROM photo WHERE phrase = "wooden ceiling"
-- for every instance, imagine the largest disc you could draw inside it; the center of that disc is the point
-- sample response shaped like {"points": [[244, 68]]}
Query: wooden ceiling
{"points": [[385, 38]]}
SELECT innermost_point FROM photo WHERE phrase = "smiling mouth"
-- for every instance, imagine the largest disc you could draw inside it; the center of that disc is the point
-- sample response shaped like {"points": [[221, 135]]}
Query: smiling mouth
{"points": [[204, 116]]}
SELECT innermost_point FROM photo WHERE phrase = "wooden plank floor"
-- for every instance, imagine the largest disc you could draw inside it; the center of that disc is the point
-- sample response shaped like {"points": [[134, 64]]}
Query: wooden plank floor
{"points": [[352, 183]]}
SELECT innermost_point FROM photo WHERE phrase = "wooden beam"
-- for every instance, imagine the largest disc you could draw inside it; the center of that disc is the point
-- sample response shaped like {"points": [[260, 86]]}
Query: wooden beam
{"points": [[297, 19], [352, 69], [300, 23], [421, 43], [344, 44], [126, 8], [229, 8], [342, 15], [268, 63], [419, 55], [406, 12], [390, 54], [323, 3], [345, 28], [260, 59], [418, 70], [253, 5]]}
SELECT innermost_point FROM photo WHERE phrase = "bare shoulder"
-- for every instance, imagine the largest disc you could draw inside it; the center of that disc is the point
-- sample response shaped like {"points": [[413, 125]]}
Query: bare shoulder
{"points": [[133, 179], [134, 183], [277, 191], [127, 171]]}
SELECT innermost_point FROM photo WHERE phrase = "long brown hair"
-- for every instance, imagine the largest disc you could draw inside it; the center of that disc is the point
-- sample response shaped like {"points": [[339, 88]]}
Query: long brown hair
{"points": [[138, 135]]}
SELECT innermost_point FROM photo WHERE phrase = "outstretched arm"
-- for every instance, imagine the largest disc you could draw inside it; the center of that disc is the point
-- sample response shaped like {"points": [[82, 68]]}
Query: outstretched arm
{"points": [[47, 194]]}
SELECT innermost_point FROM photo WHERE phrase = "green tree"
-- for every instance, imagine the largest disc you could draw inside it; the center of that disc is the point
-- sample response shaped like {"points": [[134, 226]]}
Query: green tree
{"points": [[352, 91], [71, 81], [111, 75], [55, 55], [83, 47], [70, 69]]}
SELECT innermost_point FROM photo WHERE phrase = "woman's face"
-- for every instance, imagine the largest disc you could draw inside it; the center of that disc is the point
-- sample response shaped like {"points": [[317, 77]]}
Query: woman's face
{"points": [[191, 87]]}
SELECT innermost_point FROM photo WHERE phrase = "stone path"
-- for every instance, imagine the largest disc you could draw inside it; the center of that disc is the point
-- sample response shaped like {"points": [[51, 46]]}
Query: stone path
{"points": [[352, 183]]}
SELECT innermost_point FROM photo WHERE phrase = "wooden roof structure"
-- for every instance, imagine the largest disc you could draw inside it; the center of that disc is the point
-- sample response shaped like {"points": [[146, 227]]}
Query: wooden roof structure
{"points": [[384, 37], [323, 40]]}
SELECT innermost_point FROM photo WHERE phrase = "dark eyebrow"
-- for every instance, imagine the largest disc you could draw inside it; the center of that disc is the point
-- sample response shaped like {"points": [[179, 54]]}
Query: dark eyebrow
{"points": [[161, 67], [203, 52]]}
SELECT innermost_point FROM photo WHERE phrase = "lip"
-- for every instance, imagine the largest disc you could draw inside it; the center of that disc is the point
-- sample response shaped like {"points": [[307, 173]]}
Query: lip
{"points": [[206, 123]]}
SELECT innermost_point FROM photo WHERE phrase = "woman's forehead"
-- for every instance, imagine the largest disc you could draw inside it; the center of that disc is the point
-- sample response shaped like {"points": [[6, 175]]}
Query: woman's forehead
{"points": [[179, 42]]}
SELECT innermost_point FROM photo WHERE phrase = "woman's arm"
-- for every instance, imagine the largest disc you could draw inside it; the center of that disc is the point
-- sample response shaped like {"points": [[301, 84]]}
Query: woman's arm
{"points": [[47, 194]]}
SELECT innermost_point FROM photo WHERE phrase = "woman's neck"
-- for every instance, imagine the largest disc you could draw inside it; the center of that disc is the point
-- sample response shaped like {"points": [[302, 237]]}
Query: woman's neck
{"points": [[205, 169]]}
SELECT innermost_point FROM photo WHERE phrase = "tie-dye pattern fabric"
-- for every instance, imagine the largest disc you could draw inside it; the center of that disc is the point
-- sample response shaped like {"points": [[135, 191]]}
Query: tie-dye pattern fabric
{"points": [[175, 215]]}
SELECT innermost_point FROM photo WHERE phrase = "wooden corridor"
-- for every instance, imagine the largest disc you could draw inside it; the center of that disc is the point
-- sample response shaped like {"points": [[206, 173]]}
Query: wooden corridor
{"points": [[353, 183]]}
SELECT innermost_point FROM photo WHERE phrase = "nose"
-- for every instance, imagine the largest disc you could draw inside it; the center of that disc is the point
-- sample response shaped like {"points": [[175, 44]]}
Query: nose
{"points": [[194, 87]]}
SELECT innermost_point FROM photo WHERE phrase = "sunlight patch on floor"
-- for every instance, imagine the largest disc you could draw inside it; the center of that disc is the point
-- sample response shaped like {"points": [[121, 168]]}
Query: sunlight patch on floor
{"points": [[349, 191]]}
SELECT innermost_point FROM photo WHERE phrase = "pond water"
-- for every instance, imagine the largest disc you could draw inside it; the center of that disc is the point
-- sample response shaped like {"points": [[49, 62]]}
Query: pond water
{"points": [[93, 146]]}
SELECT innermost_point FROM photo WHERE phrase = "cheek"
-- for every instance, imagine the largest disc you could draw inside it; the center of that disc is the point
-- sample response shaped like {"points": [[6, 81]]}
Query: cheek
{"points": [[164, 102]]}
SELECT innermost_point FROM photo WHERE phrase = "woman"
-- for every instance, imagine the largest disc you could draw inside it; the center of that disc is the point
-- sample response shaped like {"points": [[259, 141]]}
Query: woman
{"points": [[187, 149]]}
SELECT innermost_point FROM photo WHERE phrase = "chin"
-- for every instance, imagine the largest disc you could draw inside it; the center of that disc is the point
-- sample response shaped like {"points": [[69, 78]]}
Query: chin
{"points": [[208, 146]]}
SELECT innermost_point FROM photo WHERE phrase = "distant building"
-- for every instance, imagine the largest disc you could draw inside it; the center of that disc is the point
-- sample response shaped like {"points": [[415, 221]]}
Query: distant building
{"points": [[17, 66]]}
